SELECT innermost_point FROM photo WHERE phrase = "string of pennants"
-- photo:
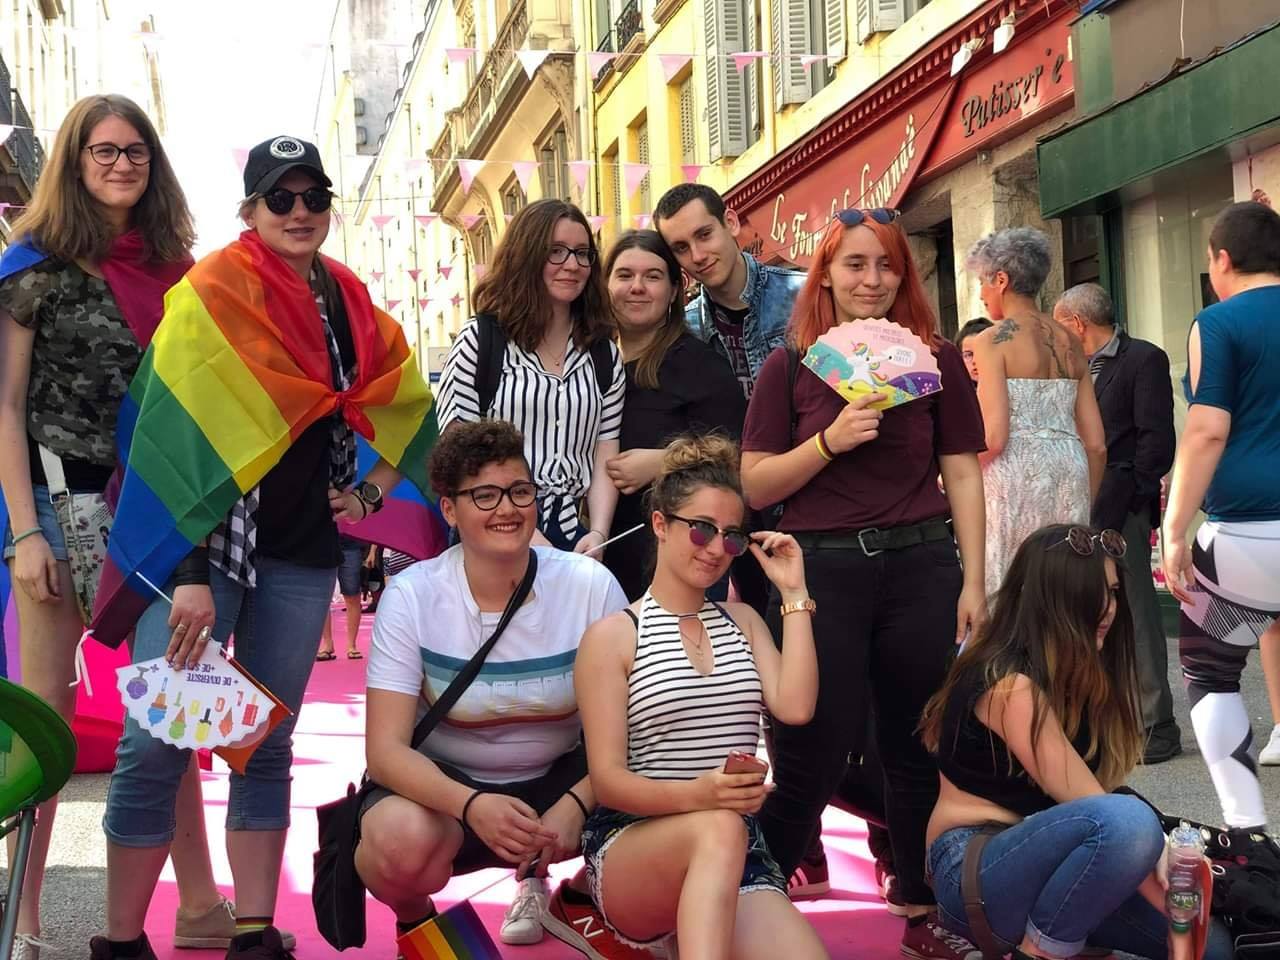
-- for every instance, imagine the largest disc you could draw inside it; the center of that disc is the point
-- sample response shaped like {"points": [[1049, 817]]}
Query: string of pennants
{"points": [[597, 60], [642, 221]]}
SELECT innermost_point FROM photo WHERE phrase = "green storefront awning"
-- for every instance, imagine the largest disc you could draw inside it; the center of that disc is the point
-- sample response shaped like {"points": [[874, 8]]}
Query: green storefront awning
{"points": [[1209, 104]]}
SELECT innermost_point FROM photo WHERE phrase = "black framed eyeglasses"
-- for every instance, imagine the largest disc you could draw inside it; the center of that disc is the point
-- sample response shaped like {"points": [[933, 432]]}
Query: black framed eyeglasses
{"points": [[559, 253], [1082, 541], [853, 216], [703, 532], [487, 496], [106, 154], [280, 201]]}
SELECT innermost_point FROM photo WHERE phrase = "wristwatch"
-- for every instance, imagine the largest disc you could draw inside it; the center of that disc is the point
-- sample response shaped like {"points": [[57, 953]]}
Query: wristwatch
{"points": [[795, 606], [370, 493]]}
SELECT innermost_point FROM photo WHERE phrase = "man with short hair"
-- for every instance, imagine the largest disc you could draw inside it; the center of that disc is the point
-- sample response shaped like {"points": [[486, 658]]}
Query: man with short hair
{"points": [[1135, 394]]}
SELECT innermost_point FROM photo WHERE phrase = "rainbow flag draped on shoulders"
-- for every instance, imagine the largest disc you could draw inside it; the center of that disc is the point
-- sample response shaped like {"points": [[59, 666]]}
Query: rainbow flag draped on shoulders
{"points": [[237, 370]]}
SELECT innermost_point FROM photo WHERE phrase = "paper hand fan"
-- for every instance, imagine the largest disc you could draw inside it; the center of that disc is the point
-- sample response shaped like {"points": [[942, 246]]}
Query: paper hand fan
{"points": [[875, 356]]}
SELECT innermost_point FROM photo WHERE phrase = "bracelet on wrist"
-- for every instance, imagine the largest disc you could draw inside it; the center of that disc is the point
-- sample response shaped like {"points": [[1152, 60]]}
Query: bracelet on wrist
{"points": [[806, 605], [25, 534], [820, 442], [578, 800], [467, 806]]}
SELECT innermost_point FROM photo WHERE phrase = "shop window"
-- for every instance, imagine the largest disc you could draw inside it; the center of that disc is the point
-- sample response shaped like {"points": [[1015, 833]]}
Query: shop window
{"points": [[481, 242], [730, 26], [688, 136], [802, 27], [513, 199], [1080, 250], [553, 157]]}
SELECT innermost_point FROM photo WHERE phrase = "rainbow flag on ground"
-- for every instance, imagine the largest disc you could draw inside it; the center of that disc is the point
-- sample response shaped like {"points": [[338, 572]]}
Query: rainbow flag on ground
{"points": [[237, 370], [456, 934]]}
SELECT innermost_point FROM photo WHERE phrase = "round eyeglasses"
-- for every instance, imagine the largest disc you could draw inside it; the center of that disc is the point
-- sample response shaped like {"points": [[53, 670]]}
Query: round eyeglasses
{"points": [[106, 154], [1082, 541], [487, 496]]}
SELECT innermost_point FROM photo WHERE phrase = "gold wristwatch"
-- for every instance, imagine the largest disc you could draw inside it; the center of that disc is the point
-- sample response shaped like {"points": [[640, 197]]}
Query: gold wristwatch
{"points": [[795, 606]]}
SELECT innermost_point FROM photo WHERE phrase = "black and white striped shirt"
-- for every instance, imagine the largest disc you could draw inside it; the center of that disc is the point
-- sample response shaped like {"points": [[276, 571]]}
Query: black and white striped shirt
{"points": [[562, 418], [681, 723]]}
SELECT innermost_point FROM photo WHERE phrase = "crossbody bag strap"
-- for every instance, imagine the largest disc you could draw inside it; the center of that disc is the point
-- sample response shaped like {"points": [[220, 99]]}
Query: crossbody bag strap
{"points": [[54, 476], [467, 675]]}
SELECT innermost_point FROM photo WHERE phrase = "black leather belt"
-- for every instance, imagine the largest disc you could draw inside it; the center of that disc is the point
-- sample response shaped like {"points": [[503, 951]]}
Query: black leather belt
{"points": [[873, 540], [975, 908]]}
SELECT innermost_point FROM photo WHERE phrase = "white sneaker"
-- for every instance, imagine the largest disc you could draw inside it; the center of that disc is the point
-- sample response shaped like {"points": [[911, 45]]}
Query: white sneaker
{"points": [[522, 924], [1269, 756]]}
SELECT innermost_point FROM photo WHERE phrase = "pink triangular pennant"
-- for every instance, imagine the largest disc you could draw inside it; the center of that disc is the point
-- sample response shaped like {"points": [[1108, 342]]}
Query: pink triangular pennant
{"points": [[642, 221], [597, 60], [414, 274], [746, 58], [580, 170], [597, 222], [426, 219], [239, 155], [508, 217], [392, 304], [691, 171], [524, 170], [531, 60], [809, 59], [632, 174], [445, 271], [415, 166], [456, 299], [480, 270], [469, 220], [468, 170], [380, 220], [673, 63], [4, 209], [6, 129], [459, 54], [377, 276], [423, 302]]}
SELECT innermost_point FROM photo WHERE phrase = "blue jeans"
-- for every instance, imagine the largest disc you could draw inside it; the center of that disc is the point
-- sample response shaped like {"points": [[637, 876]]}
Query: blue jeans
{"points": [[1064, 878], [277, 629], [47, 519]]}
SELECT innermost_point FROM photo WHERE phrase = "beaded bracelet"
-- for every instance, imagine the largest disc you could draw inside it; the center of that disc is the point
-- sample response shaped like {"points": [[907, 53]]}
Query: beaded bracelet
{"points": [[25, 534]]}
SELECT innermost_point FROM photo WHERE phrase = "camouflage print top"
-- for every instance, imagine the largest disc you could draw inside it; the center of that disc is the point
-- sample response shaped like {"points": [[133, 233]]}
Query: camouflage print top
{"points": [[82, 361]]}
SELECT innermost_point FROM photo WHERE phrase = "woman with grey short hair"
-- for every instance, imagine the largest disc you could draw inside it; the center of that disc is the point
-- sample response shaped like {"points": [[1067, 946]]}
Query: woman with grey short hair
{"points": [[1046, 448]]}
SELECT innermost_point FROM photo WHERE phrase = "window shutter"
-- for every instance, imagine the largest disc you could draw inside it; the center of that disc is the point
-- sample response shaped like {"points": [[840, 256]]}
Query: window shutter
{"points": [[834, 27], [755, 121], [791, 32], [862, 16], [726, 93], [642, 154], [889, 14], [688, 135]]}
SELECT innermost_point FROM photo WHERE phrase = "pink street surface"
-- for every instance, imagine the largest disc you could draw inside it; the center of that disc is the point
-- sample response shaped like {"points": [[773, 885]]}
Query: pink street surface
{"points": [[329, 752]]}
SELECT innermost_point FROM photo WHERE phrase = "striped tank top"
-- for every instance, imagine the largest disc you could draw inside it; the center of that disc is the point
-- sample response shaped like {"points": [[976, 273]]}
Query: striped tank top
{"points": [[681, 723]]}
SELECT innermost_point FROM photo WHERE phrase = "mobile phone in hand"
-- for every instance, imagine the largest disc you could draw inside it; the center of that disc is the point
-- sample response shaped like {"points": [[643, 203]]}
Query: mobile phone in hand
{"points": [[739, 762]]}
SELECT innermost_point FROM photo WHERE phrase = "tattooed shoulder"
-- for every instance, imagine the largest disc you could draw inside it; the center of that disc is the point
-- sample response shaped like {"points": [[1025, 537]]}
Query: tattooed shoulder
{"points": [[1005, 330]]}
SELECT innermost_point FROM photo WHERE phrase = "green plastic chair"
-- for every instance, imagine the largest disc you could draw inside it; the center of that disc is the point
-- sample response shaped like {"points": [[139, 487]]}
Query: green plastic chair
{"points": [[37, 755]]}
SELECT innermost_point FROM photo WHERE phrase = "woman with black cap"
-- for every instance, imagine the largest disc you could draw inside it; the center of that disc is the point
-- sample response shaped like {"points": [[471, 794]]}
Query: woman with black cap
{"points": [[298, 344]]}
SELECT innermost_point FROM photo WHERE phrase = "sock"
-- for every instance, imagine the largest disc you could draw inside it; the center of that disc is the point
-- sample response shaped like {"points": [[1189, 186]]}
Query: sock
{"points": [[128, 948], [404, 926], [575, 896], [252, 924]]}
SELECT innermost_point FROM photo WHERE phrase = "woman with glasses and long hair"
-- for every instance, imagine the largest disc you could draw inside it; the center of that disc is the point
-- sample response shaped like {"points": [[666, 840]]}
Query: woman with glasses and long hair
{"points": [[676, 384], [671, 693], [861, 497], [538, 354], [240, 455], [1037, 721]]}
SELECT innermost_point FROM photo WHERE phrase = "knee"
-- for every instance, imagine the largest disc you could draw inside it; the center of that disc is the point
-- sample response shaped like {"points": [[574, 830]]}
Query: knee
{"points": [[1130, 825], [719, 832], [403, 851]]}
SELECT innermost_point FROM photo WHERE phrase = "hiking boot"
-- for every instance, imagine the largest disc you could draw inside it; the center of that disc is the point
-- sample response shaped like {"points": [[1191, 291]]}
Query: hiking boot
{"points": [[930, 940], [100, 949], [810, 879], [264, 944], [581, 926], [213, 929], [522, 924]]}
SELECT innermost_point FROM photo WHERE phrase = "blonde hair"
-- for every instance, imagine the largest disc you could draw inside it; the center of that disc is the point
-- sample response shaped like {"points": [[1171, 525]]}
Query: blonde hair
{"points": [[63, 219], [693, 461]]}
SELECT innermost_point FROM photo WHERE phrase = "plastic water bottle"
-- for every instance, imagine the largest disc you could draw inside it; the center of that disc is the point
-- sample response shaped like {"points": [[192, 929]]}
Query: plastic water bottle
{"points": [[1186, 850]]}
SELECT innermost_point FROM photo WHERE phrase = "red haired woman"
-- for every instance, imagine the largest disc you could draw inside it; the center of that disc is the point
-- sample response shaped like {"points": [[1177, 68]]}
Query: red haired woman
{"points": [[880, 543]]}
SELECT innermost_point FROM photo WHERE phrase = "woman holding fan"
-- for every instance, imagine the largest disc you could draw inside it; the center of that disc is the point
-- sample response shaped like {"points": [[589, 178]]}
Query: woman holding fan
{"points": [[862, 499]]}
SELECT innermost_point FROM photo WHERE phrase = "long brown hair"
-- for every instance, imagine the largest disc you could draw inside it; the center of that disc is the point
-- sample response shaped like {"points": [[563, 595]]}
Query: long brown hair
{"points": [[815, 310], [514, 291], [64, 221], [1044, 625], [649, 360]]}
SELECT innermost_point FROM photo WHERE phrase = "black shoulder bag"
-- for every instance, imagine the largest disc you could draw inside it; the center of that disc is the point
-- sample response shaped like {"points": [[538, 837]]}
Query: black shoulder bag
{"points": [[337, 892], [491, 347]]}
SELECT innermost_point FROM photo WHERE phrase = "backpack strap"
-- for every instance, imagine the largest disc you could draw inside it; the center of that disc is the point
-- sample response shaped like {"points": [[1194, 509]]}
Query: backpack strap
{"points": [[793, 371], [602, 360], [491, 347]]}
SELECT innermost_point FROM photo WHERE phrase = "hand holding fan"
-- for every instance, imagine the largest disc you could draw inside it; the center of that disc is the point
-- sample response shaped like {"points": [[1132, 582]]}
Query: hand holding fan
{"points": [[875, 356]]}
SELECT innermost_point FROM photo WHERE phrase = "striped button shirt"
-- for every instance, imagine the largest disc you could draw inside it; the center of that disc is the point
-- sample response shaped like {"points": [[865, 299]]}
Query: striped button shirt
{"points": [[562, 418]]}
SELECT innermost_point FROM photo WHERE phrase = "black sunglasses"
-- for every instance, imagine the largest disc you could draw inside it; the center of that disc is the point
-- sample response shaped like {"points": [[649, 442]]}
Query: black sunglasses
{"points": [[853, 216], [487, 496], [702, 532], [1082, 540], [280, 201]]}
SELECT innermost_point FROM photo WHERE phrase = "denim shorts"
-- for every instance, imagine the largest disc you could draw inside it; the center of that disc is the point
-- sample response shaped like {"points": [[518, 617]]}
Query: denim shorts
{"points": [[48, 522], [349, 568]]}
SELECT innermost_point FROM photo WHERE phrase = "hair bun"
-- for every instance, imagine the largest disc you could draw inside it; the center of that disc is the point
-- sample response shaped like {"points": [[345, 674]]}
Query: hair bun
{"points": [[700, 450]]}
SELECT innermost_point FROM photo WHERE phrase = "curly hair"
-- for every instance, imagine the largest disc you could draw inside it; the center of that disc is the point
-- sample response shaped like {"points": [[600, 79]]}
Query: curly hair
{"points": [[467, 448], [1021, 253], [693, 461]]}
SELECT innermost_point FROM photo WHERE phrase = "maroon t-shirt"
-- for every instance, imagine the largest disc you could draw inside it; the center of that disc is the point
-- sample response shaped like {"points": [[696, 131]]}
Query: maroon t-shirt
{"points": [[892, 480]]}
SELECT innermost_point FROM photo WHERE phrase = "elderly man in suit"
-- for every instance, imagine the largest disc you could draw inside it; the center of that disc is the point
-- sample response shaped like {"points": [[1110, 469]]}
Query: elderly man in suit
{"points": [[1135, 394]]}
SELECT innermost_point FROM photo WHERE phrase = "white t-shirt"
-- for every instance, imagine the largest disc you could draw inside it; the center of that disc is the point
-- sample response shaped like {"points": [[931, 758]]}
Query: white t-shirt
{"points": [[520, 714]]}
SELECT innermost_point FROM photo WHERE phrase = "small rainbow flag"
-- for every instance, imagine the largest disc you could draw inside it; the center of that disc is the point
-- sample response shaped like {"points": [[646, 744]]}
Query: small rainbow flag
{"points": [[237, 370], [456, 934]]}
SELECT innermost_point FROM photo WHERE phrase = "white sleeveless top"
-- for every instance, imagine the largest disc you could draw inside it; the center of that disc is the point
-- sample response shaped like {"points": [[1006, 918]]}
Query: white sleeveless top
{"points": [[680, 723]]}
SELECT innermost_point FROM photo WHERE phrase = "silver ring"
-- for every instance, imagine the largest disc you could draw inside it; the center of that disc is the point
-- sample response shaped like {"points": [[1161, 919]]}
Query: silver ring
{"points": [[204, 633]]}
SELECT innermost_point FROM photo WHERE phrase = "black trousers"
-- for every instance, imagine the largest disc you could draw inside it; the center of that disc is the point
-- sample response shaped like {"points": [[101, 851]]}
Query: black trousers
{"points": [[885, 634]]}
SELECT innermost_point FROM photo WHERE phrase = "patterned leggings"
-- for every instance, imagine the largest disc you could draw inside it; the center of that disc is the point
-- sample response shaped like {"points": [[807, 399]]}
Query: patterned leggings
{"points": [[1237, 571]]}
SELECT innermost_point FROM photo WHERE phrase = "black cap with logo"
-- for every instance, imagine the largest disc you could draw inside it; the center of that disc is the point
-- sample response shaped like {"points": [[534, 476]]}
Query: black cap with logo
{"points": [[272, 159]]}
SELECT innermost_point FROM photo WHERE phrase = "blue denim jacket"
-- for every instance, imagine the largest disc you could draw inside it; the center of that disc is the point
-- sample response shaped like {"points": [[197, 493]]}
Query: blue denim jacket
{"points": [[769, 295]]}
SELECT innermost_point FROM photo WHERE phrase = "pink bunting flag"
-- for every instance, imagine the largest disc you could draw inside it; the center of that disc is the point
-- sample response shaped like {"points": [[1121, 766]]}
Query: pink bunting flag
{"points": [[4, 208], [392, 304], [459, 54], [597, 60], [423, 302], [239, 155], [445, 271], [456, 299], [597, 222], [380, 220], [469, 220], [746, 58], [643, 221], [673, 63], [415, 166], [580, 170], [524, 170], [508, 217], [468, 170], [531, 60], [377, 276], [809, 59], [632, 174], [480, 270], [426, 219], [691, 171], [414, 274]]}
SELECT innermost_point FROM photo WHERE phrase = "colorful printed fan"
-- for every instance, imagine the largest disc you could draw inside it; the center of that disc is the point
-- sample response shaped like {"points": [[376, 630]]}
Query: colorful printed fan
{"points": [[875, 356]]}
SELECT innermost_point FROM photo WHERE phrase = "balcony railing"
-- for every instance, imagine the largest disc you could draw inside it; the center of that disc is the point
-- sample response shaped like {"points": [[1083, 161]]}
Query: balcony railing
{"points": [[628, 25], [22, 143], [6, 96], [478, 108]]}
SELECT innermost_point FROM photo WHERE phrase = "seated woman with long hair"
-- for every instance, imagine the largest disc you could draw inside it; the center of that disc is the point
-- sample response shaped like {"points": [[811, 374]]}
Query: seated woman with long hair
{"points": [[668, 689], [1038, 720]]}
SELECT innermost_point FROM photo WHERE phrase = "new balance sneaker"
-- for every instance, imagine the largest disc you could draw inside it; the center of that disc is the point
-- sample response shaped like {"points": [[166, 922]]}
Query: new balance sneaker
{"points": [[930, 940], [579, 925], [213, 929], [1269, 756], [522, 924], [810, 879]]}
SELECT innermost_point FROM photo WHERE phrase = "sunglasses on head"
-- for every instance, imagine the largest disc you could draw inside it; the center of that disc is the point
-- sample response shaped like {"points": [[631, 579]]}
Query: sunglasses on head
{"points": [[1082, 540], [853, 216], [280, 201], [703, 532]]}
